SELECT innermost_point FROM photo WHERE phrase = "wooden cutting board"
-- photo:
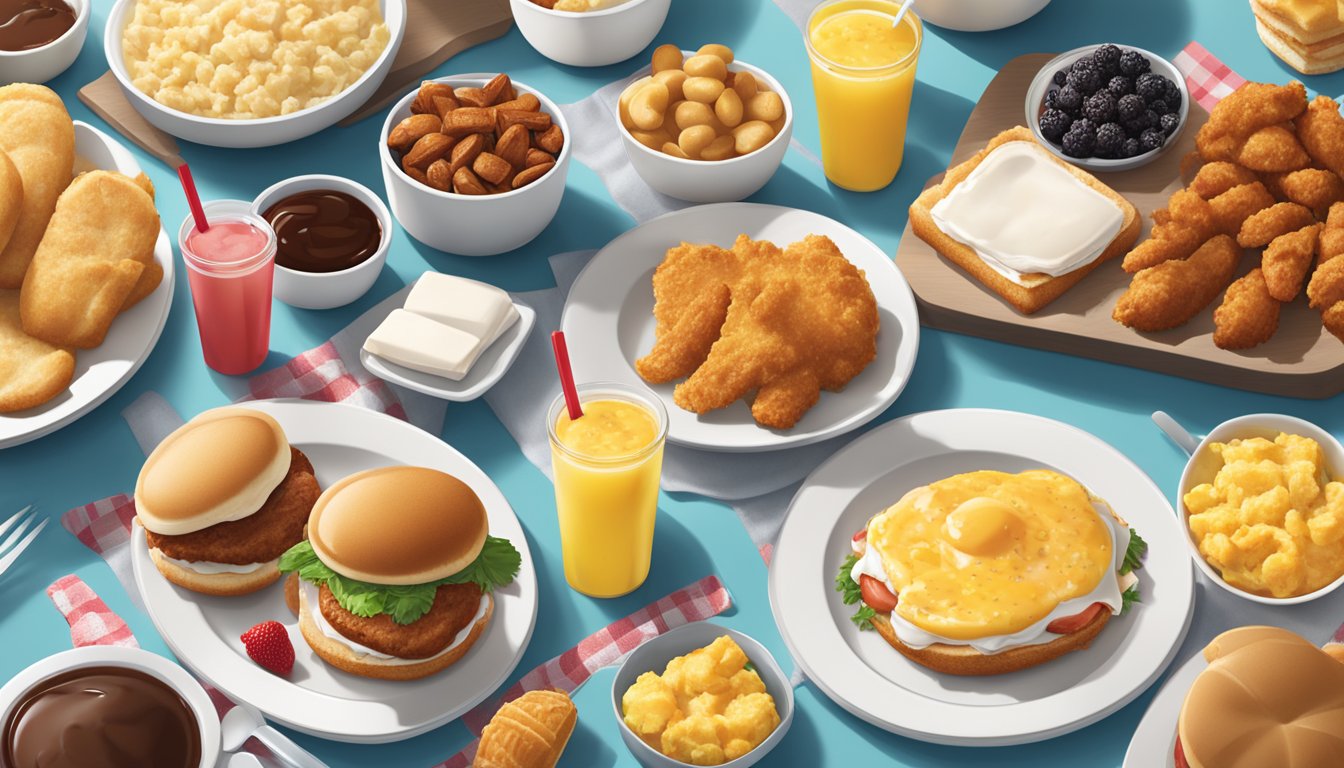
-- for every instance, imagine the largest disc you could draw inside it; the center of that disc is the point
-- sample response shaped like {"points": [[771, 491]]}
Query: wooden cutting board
{"points": [[1302, 360]]}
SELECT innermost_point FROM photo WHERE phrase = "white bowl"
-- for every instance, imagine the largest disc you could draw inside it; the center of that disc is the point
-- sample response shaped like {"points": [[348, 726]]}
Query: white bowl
{"points": [[977, 15], [140, 660], [653, 656], [1035, 105], [261, 132], [474, 225], [38, 65], [711, 181], [326, 290], [591, 38], [1203, 465]]}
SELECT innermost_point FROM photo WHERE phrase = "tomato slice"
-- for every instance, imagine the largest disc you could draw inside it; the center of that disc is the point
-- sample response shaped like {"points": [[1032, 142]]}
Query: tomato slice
{"points": [[1181, 762], [876, 595], [861, 535], [1067, 625]]}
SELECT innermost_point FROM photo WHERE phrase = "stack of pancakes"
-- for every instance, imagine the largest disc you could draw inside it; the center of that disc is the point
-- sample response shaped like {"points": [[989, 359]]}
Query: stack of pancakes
{"points": [[1307, 34]]}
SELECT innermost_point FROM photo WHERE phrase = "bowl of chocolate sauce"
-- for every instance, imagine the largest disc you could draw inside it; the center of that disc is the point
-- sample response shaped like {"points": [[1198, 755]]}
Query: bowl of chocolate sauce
{"points": [[106, 707], [40, 39], [332, 238]]}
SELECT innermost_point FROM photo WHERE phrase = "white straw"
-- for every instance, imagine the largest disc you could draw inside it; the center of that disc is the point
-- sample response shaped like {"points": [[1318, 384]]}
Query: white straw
{"points": [[899, 14]]}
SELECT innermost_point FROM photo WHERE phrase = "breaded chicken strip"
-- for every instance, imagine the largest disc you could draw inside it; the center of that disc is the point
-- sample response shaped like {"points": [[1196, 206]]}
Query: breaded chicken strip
{"points": [[1321, 130], [1218, 177], [1171, 293], [1334, 320], [1326, 288], [1250, 108], [1188, 222], [1236, 205], [1332, 235], [1287, 260], [1248, 316], [1278, 219], [690, 302], [1313, 187], [1273, 149]]}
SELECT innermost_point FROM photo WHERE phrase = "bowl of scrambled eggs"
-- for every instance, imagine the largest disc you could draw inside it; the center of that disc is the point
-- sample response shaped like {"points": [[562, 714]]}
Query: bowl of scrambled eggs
{"points": [[701, 694], [1263, 500], [251, 74]]}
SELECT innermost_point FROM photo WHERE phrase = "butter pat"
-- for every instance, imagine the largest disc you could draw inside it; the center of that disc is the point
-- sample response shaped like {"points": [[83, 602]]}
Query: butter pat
{"points": [[1024, 214], [425, 345], [478, 308]]}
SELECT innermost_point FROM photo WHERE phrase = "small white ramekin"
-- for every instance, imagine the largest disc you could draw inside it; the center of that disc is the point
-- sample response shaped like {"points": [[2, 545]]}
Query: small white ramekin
{"points": [[591, 38], [38, 65]]}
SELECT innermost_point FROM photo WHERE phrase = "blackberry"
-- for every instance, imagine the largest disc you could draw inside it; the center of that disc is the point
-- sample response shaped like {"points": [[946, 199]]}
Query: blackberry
{"points": [[1131, 148], [1170, 122], [1120, 85], [1133, 64], [1150, 86], [1107, 58], [1172, 96], [1138, 125], [1159, 106], [1110, 140], [1085, 76], [1061, 77], [1069, 99], [1050, 97], [1100, 107], [1079, 143], [1152, 139], [1084, 125], [1130, 107], [1054, 124]]}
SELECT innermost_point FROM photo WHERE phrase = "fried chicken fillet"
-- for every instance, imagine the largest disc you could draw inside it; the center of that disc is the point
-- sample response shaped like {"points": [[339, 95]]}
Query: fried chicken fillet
{"points": [[1248, 316], [1171, 293]]}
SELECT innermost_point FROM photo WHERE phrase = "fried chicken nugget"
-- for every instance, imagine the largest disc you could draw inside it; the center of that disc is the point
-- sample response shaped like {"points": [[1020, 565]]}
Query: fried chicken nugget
{"points": [[1246, 110], [1313, 187], [1334, 320], [1278, 219], [1248, 316], [1273, 149], [1171, 293], [1188, 223], [690, 303], [1326, 288], [1332, 235], [1321, 131], [1218, 177], [1287, 260], [1236, 205]]}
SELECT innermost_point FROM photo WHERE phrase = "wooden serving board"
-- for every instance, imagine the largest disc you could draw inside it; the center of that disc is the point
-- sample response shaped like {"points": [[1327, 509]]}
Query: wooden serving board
{"points": [[1302, 360]]}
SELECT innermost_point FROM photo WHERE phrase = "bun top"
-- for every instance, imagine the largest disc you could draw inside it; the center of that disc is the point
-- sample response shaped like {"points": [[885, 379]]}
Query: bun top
{"points": [[220, 466], [1269, 697], [398, 525]]}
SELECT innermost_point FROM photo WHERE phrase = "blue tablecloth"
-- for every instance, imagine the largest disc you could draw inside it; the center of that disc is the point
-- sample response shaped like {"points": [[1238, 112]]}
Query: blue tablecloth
{"points": [[97, 456]]}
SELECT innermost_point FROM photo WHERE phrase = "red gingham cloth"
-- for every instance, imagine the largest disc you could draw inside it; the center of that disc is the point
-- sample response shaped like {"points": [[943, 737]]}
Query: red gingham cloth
{"points": [[321, 374], [699, 601], [1208, 79], [91, 621]]}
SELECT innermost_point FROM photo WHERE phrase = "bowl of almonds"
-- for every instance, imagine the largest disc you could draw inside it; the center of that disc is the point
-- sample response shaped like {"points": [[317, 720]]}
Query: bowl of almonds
{"points": [[703, 127], [474, 164]]}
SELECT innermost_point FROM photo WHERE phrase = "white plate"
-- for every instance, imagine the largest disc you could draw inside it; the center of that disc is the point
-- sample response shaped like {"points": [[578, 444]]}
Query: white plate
{"points": [[490, 367], [1154, 742], [608, 320], [101, 371], [317, 699], [870, 679]]}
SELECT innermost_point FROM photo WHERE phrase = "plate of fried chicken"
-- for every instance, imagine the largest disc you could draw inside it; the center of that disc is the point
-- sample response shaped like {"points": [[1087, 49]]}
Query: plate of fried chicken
{"points": [[760, 327]]}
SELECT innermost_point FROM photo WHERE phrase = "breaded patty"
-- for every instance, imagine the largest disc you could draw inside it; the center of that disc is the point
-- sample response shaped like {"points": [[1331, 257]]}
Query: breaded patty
{"points": [[257, 538], [454, 607]]}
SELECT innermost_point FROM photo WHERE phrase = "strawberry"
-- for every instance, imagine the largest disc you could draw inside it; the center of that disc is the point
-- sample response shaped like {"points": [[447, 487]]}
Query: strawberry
{"points": [[268, 644]]}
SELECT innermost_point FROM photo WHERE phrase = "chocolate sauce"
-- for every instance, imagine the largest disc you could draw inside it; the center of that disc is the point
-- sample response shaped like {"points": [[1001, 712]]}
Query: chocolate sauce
{"points": [[323, 230], [101, 717], [28, 24]]}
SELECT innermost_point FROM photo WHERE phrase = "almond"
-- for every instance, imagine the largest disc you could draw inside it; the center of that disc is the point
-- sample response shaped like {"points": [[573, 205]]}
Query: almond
{"points": [[472, 97], [496, 88], [427, 100], [527, 103], [429, 148], [461, 122], [492, 168], [466, 183], [533, 121], [552, 139], [411, 130], [529, 175], [466, 150], [439, 175], [512, 145], [445, 104], [417, 175], [537, 157]]}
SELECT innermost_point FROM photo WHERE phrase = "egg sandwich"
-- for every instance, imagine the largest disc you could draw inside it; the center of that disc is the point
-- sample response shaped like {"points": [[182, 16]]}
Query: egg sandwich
{"points": [[1307, 34], [397, 573], [989, 572]]}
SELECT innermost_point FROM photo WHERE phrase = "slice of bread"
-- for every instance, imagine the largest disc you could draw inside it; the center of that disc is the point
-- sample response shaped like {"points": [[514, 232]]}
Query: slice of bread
{"points": [[1040, 289], [965, 660], [1307, 58]]}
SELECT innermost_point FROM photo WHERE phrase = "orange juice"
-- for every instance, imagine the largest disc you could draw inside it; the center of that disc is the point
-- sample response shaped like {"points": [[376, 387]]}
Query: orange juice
{"points": [[863, 73], [607, 467]]}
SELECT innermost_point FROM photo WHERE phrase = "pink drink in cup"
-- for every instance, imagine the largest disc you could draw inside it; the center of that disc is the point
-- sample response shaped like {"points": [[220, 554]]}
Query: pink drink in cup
{"points": [[230, 267]]}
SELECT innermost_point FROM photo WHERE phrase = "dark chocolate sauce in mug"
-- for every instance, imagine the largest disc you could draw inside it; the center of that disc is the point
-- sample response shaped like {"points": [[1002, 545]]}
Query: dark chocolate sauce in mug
{"points": [[322, 230], [26, 24], [101, 717]]}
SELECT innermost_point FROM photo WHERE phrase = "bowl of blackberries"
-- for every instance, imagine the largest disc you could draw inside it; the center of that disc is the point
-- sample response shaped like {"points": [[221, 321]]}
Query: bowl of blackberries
{"points": [[1108, 107]]}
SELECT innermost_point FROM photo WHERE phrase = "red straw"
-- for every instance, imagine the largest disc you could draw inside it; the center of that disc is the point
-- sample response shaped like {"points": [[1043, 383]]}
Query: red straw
{"points": [[193, 199], [566, 375]]}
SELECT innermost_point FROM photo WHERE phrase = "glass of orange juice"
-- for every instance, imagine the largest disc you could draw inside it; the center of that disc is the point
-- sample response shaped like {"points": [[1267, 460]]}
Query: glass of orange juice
{"points": [[607, 466], [863, 73]]}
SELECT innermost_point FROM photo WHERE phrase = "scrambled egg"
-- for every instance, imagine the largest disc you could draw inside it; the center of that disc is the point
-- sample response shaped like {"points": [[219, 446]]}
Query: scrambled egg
{"points": [[1271, 522], [705, 709]]}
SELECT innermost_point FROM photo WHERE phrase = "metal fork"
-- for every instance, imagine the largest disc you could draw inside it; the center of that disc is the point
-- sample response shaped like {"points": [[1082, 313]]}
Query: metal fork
{"points": [[13, 545]]}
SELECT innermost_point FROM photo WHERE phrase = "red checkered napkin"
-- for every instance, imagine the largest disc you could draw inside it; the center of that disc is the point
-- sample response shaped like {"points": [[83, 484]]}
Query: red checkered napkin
{"points": [[322, 374], [699, 601], [1208, 79]]}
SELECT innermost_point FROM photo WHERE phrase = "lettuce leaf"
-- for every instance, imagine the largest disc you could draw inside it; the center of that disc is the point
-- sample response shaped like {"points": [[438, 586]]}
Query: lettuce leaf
{"points": [[850, 593], [495, 566], [1134, 553]]}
